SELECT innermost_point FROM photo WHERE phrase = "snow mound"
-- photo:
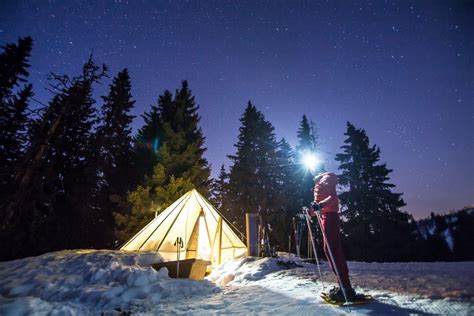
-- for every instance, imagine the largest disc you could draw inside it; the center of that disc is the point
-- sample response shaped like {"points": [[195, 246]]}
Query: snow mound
{"points": [[241, 271], [89, 282]]}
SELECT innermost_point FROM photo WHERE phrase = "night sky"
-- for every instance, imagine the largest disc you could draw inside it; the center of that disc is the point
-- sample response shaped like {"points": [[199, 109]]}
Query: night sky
{"points": [[403, 71]]}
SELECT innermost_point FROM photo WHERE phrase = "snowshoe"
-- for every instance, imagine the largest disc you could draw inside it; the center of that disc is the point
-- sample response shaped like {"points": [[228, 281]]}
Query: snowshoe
{"points": [[337, 295], [335, 298]]}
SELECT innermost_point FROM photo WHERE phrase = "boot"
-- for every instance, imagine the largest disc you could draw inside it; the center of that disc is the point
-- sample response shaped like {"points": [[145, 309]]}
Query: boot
{"points": [[337, 295], [333, 290]]}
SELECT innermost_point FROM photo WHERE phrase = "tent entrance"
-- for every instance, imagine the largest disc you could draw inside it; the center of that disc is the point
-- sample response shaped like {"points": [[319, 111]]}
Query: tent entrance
{"points": [[204, 243], [199, 245]]}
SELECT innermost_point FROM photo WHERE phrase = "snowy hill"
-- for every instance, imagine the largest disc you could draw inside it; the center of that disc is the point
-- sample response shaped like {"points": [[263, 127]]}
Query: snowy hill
{"points": [[88, 282], [449, 234]]}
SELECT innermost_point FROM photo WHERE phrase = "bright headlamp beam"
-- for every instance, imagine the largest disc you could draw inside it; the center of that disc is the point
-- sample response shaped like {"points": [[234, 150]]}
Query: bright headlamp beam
{"points": [[310, 161]]}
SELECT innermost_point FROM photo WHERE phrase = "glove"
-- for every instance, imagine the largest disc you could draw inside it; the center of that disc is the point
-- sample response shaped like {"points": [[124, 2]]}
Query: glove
{"points": [[311, 212], [308, 211], [316, 207]]}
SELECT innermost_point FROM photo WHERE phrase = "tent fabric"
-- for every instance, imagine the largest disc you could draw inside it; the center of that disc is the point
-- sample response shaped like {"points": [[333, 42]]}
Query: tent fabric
{"points": [[205, 233]]}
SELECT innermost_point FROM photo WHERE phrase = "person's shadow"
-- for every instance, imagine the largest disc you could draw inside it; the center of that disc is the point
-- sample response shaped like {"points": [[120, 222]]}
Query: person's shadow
{"points": [[379, 308]]}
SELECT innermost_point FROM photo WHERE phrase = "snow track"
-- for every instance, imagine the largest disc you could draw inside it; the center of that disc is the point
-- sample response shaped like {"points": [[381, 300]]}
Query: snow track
{"points": [[399, 288], [89, 282]]}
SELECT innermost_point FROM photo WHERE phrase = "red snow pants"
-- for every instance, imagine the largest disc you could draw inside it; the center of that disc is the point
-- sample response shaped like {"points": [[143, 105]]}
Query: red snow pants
{"points": [[332, 229]]}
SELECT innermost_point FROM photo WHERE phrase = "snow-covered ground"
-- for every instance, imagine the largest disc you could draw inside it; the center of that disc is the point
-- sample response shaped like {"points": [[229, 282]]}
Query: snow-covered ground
{"points": [[83, 282]]}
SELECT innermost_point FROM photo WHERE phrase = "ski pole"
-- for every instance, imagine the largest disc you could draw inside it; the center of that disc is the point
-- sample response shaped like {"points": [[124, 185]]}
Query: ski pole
{"points": [[312, 242], [309, 249], [332, 258], [300, 235], [179, 244], [296, 238]]}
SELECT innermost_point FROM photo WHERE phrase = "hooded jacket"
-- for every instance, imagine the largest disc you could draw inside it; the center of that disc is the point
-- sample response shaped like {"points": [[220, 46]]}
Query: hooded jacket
{"points": [[325, 192]]}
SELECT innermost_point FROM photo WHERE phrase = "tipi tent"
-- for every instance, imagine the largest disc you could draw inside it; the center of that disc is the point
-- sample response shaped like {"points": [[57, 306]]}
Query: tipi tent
{"points": [[204, 232]]}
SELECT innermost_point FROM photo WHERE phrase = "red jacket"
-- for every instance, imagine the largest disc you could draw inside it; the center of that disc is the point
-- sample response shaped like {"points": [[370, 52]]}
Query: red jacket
{"points": [[325, 192]]}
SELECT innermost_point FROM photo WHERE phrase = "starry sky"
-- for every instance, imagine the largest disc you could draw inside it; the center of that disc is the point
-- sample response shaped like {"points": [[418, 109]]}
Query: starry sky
{"points": [[403, 71]]}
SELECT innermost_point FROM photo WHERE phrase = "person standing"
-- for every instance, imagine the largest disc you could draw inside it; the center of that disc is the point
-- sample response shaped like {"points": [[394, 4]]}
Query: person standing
{"points": [[327, 204]]}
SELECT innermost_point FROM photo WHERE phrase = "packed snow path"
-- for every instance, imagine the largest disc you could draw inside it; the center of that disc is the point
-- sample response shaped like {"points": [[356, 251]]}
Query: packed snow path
{"points": [[91, 282]]}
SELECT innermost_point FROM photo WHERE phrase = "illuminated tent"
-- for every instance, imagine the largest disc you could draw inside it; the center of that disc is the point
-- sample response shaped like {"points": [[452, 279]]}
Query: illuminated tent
{"points": [[205, 234]]}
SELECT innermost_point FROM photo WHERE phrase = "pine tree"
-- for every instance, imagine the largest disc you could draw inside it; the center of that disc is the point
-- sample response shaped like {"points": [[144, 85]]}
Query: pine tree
{"points": [[75, 159], [463, 237], [114, 142], [374, 227], [52, 207], [244, 173], [150, 137], [288, 186], [180, 164], [219, 191], [186, 141], [114, 135], [14, 119], [307, 137], [13, 65], [307, 143], [140, 201], [253, 178]]}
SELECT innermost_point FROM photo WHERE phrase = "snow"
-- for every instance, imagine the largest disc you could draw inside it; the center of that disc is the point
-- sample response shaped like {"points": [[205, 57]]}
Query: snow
{"points": [[91, 282], [427, 228], [449, 239], [400, 288], [432, 228], [88, 281], [451, 219]]}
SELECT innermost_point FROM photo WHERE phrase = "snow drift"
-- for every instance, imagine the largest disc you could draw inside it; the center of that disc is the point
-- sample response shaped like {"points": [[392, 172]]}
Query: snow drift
{"points": [[89, 282]]}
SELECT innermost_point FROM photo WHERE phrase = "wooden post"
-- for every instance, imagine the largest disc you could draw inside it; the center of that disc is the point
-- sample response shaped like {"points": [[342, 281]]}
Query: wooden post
{"points": [[253, 234], [259, 240], [289, 243]]}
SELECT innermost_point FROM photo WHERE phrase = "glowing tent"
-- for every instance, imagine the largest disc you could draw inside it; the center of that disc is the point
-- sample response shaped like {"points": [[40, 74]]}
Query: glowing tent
{"points": [[206, 235]]}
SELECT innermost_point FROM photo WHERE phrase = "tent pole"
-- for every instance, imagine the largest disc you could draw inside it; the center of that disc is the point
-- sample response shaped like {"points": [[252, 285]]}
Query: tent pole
{"points": [[220, 241]]}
